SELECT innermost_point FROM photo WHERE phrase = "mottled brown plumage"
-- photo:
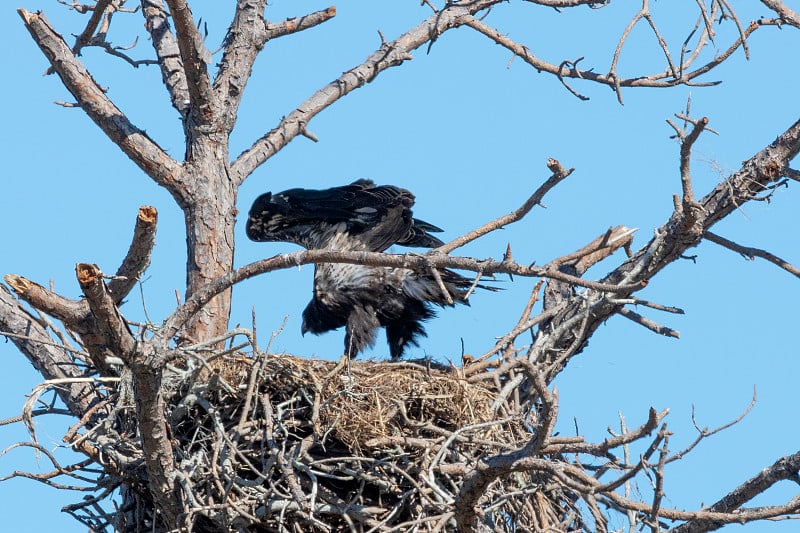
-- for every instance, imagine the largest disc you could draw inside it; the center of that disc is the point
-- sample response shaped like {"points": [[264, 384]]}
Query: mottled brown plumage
{"points": [[359, 217]]}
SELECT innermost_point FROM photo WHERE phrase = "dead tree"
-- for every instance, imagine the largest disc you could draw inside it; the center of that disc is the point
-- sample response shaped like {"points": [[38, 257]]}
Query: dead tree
{"points": [[192, 435]]}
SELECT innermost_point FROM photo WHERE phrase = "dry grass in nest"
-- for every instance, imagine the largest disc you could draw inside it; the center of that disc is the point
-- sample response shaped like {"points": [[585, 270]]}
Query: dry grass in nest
{"points": [[372, 404]]}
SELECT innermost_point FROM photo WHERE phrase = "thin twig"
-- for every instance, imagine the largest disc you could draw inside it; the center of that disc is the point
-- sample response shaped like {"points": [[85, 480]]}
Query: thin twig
{"points": [[559, 173], [751, 253], [649, 324]]}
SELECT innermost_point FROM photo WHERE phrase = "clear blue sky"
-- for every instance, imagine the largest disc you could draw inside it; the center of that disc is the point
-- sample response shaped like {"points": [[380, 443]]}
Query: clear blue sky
{"points": [[469, 135]]}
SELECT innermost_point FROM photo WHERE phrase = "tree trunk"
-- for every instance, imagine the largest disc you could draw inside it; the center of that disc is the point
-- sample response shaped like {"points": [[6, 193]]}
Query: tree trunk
{"points": [[210, 219]]}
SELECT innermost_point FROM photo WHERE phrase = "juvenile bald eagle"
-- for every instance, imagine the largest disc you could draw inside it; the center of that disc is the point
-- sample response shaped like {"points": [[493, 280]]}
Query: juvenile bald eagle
{"points": [[359, 217]]}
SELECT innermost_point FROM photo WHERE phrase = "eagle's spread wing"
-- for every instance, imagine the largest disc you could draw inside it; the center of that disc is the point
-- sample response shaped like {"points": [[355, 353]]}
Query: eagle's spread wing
{"points": [[359, 216], [373, 218]]}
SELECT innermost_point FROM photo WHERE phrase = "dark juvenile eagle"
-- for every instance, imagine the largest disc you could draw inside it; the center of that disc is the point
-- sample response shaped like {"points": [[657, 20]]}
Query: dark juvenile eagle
{"points": [[359, 217]]}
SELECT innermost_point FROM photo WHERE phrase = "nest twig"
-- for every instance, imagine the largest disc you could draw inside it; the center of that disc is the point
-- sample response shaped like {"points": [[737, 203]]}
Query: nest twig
{"points": [[344, 445], [266, 442]]}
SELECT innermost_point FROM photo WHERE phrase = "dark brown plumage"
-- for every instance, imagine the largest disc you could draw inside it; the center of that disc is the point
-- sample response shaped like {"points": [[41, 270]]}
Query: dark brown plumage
{"points": [[359, 217]]}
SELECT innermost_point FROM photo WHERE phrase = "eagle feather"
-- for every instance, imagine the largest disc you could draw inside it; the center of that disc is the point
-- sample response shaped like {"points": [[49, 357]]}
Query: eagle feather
{"points": [[360, 216]]}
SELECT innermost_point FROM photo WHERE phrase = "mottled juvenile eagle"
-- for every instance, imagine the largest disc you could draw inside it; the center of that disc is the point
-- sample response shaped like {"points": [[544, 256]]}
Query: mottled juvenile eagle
{"points": [[359, 217]]}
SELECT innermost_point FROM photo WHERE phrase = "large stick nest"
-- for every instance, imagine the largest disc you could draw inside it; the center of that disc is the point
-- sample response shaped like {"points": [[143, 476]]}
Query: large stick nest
{"points": [[280, 443]]}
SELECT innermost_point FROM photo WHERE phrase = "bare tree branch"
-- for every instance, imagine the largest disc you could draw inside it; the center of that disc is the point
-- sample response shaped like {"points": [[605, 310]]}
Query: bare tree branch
{"points": [[559, 174], [98, 12], [654, 418], [390, 54], [703, 433], [134, 142], [597, 250], [47, 477], [751, 253], [569, 3], [64, 309], [786, 14], [110, 323], [138, 257], [156, 21], [32, 340], [96, 32], [784, 468], [132, 267], [76, 314], [686, 149], [246, 37], [146, 366], [410, 261], [649, 324], [570, 70], [195, 58], [675, 237], [297, 24]]}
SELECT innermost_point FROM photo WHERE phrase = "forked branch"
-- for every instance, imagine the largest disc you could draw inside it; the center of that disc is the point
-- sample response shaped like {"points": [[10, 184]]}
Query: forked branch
{"points": [[786, 14], [146, 364], [785, 468], [410, 261], [33, 340], [672, 76], [77, 315], [247, 35], [564, 335], [388, 55], [134, 142]]}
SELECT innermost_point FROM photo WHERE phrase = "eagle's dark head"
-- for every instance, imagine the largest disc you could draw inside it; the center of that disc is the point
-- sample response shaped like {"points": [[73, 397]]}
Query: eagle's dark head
{"points": [[278, 217], [367, 217]]}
